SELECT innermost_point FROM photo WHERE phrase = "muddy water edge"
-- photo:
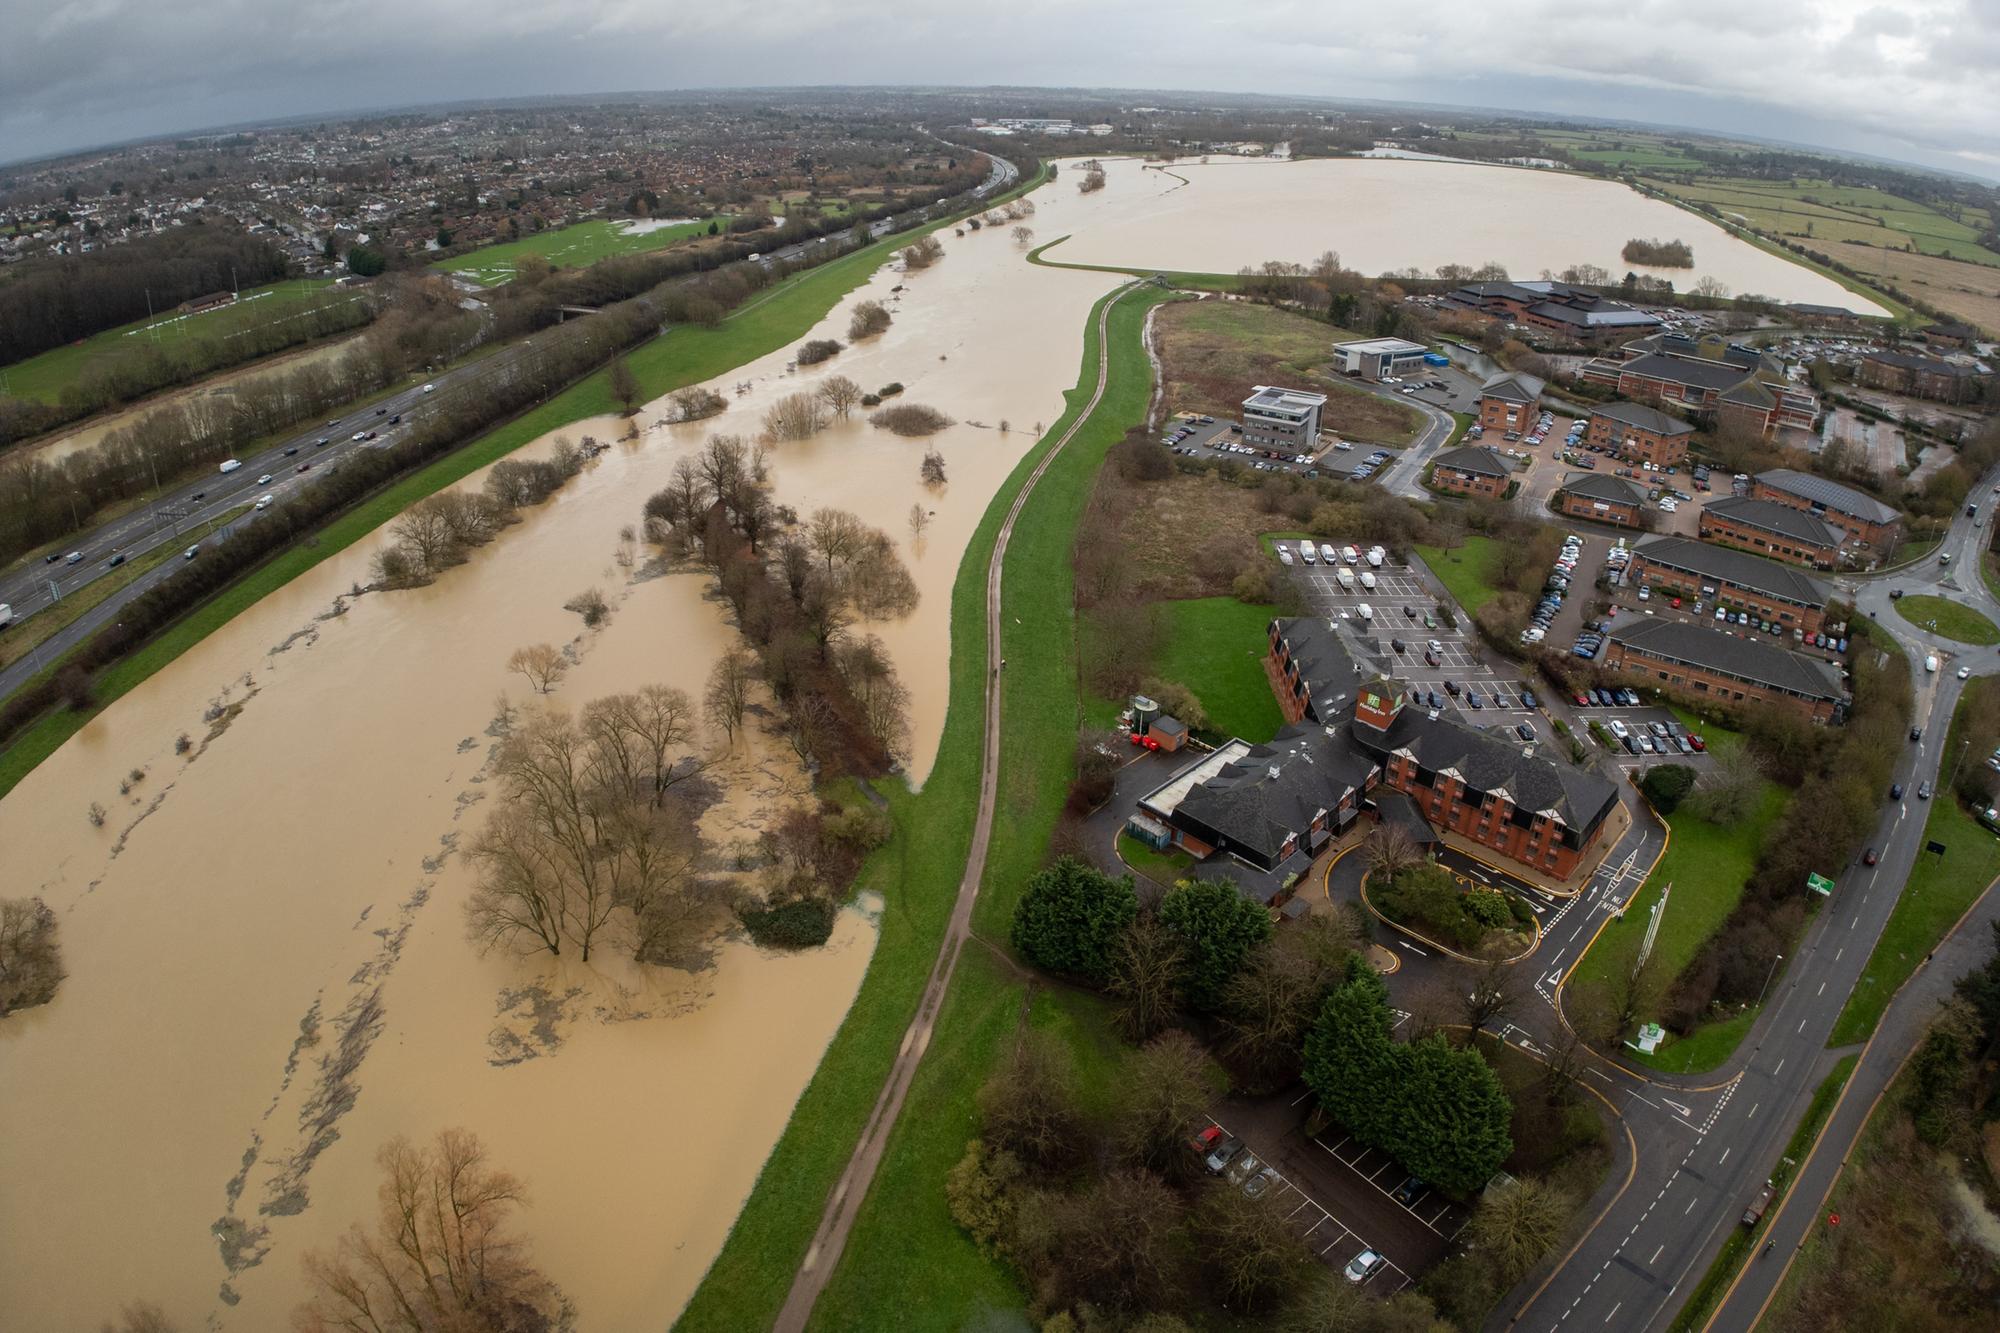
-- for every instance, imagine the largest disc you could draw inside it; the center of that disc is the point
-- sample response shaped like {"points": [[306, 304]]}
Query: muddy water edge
{"points": [[268, 974]]}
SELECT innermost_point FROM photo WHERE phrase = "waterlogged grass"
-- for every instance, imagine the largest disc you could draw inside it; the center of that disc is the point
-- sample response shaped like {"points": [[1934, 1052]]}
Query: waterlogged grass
{"points": [[579, 244], [44, 377], [682, 357]]}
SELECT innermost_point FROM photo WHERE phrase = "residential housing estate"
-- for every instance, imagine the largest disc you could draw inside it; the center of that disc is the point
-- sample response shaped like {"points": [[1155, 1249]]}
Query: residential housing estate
{"points": [[1353, 746]]}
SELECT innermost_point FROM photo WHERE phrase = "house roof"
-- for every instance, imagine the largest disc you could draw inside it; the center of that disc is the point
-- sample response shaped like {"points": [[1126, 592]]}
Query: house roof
{"points": [[1641, 417], [1726, 565], [1490, 763], [1169, 726], [1828, 494], [1328, 669], [1753, 393], [1711, 375], [1274, 790], [1770, 516], [1475, 459], [1398, 809], [1512, 386], [1597, 486], [1747, 659]]}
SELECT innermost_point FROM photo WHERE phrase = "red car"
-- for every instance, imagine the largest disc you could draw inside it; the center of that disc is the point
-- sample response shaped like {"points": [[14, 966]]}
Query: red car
{"points": [[1697, 742], [1868, 858], [1677, 603], [1583, 701], [1204, 1142]]}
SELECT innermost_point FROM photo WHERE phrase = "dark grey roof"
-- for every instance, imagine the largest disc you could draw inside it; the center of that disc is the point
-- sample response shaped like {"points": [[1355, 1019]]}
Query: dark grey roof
{"points": [[1727, 565], [1807, 308], [1487, 762], [1328, 669], [1643, 418], [1513, 387], [1598, 486], [1746, 659], [1828, 494], [1594, 314], [1172, 726], [1398, 809], [1771, 516], [1476, 459], [1686, 370], [1928, 365], [1275, 790], [1750, 391]]}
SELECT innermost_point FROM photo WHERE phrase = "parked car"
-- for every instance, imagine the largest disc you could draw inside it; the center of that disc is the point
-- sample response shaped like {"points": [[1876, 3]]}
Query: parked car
{"points": [[1222, 1154], [1363, 1266], [1407, 1192]]}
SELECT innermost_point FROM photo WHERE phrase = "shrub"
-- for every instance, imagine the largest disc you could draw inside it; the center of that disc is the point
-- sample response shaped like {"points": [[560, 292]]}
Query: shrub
{"points": [[30, 962], [818, 350], [1667, 785], [910, 419], [1069, 916], [797, 416], [978, 1192], [590, 604], [1488, 907], [869, 319], [871, 400], [891, 389], [804, 923]]}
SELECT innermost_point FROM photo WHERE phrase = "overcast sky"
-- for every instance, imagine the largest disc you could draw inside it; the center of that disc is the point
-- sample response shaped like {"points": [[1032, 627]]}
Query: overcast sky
{"points": [[1916, 80]]}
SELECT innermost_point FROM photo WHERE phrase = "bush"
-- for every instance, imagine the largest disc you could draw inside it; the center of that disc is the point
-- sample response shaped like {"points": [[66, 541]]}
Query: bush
{"points": [[804, 923], [30, 962], [818, 350], [590, 604], [910, 419], [869, 319], [978, 1193], [891, 389], [1667, 785]]}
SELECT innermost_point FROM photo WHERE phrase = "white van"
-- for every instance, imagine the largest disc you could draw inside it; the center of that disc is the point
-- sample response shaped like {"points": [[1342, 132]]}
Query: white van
{"points": [[231, 465], [1368, 580], [6, 615], [265, 501], [1309, 553], [1365, 611], [1349, 555], [1931, 662]]}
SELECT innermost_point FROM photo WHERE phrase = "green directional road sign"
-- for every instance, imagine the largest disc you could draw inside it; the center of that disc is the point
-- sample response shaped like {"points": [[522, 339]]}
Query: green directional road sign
{"points": [[1819, 884]]}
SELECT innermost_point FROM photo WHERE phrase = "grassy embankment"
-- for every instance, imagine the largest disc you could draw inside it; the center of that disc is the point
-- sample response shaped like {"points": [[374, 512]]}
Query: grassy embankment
{"points": [[44, 377], [685, 356], [1936, 895], [1947, 619], [918, 873], [1188, 280], [577, 245], [1708, 865], [906, 1254], [1742, 1241]]}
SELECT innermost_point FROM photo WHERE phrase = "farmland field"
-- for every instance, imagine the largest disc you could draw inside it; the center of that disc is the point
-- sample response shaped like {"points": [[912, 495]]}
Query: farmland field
{"points": [[44, 377], [580, 243], [1822, 211], [1970, 292]]}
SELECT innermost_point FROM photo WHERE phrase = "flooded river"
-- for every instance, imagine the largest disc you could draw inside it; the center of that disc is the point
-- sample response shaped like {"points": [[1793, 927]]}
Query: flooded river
{"points": [[268, 974], [1383, 215]]}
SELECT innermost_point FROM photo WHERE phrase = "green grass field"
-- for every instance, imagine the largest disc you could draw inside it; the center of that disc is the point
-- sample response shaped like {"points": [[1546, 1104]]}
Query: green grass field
{"points": [[1948, 619], [1161, 867], [44, 377], [578, 244], [687, 355], [1821, 211], [1466, 571], [1215, 647], [1708, 865]]}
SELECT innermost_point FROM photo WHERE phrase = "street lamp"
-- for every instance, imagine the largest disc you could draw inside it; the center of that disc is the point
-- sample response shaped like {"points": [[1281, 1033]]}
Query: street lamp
{"points": [[1775, 960]]}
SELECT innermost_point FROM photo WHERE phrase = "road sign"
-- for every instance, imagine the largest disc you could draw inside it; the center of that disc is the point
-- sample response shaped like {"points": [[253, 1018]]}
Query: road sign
{"points": [[1819, 884], [1935, 848]]}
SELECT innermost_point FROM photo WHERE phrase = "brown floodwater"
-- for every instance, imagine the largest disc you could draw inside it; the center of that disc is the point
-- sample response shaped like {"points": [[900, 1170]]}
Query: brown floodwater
{"points": [[285, 902], [89, 434], [1382, 215]]}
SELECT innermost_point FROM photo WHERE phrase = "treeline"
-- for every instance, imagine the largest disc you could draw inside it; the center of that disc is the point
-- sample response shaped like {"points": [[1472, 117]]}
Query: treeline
{"points": [[41, 501], [147, 366], [58, 300], [455, 414], [1656, 253]]}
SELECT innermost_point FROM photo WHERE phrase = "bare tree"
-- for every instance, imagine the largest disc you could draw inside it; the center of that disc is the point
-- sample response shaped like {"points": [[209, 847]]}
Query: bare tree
{"points": [[427, 537], [835, 537], [542, 665], [922, 252], [920, 519], [869, 319], [641, 740], [933, 468], [141, 1317], [1023, 234], [695, 403], [722, 465], [839, 393], [30, 960], [727, 697], [1146, 967], [441, 1256], [1391, 850], [878, 585], [1492, 993], [796, 416], [624, 385]]}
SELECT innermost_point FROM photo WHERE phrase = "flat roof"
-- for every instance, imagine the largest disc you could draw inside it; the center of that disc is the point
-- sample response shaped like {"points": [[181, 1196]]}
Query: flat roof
{"points": [[1166, 798], [1386, 346], [1267, 396]]}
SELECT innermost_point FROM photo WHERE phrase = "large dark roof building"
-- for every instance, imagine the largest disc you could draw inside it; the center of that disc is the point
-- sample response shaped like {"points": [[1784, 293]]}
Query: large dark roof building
{"points": [[1576, 312], [1870, 525], [1726, 667], [1776, 530]]}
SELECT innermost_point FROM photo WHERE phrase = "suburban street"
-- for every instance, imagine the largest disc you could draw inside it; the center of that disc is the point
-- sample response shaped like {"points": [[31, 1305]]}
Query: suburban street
{"points": [[1706, 1143], [188, 513]]}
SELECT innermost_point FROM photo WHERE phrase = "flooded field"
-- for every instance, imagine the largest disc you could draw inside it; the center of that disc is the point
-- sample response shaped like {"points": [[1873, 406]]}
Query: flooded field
{"points": [[91, 433], [1384, 215], [268, 975]]}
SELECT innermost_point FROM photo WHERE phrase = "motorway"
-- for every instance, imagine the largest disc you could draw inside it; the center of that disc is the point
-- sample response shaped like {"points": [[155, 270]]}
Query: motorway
{"points": [[186, 514], [1705, 1144]]}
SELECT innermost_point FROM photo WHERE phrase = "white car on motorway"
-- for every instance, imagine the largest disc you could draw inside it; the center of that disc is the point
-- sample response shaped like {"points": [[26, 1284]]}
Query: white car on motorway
{"points": [[264, 480]]}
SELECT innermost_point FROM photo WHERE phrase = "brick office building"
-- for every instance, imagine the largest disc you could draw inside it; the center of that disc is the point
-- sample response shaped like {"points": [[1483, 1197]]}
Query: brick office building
{"points": [[1919, 376], [1697, 571], [1510, 401], [1730, 669], [1772, 529], [1870, 525], [1639, 433], [1712, 379], [1471, 470], [1602, 499]]}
